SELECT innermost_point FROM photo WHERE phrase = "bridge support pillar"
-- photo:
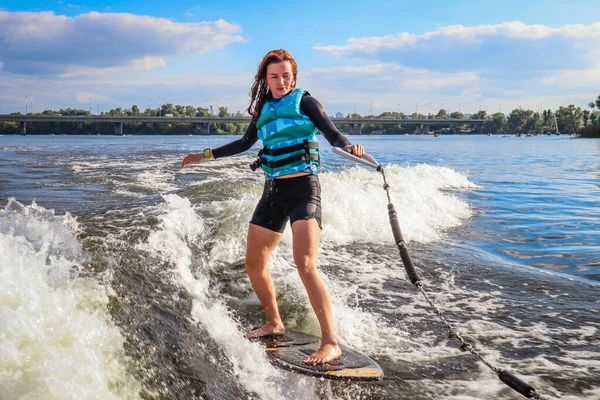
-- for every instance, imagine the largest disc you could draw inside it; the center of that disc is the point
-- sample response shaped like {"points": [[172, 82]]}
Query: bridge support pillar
{"points": [[119, 128], [23, 128], [422, 129], [205, 129], [355, 129]]}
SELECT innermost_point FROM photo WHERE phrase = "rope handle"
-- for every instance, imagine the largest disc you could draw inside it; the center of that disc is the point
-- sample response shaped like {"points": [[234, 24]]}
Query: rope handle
{"points": [[365, 160]]}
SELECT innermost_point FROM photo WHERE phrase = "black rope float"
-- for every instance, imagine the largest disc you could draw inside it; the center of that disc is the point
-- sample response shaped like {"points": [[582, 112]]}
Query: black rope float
{"points": [[505, 376]]}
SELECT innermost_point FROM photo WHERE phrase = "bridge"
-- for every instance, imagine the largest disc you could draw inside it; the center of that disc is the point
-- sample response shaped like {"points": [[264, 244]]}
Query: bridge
{"points": [[355, 124]]}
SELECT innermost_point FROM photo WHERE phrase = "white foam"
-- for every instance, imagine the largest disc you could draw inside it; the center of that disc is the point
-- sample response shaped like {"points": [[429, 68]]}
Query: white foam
{"points": [[230, 225], [57, 338], [355, 207], [180, 229], [229, 168], [150, 174], [355, 204], [156, 180], [427, 205], [355, 210]]}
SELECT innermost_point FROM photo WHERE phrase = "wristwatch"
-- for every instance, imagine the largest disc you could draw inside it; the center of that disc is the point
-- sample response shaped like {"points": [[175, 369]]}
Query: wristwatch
{"points": [[207, 154]]}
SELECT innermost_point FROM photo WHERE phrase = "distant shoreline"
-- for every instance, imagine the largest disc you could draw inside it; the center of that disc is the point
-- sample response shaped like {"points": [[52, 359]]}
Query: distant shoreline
{"points": [[238, 134]]}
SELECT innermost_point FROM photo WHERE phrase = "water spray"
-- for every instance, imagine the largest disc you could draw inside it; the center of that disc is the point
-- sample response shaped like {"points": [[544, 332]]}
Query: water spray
{"points": [[506, 377]]}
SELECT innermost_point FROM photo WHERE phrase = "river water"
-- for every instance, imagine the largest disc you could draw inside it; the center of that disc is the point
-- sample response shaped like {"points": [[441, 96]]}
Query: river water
{"points": [[122, 276]]}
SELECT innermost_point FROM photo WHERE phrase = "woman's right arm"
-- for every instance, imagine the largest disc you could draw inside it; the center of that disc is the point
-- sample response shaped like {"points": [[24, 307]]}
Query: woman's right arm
{"points": [[235, 147]]}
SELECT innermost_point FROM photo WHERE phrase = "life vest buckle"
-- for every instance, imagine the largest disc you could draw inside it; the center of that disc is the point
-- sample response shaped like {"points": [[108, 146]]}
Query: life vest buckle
{"points": [[306, 152], [257, 163]]}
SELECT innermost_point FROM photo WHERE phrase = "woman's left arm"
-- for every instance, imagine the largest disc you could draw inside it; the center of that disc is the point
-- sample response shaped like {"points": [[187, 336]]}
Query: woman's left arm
{"points": [[314, 110]]}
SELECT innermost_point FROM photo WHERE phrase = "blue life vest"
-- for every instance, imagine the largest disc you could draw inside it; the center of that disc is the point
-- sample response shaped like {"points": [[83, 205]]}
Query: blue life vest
{"points": [[289, 137]]}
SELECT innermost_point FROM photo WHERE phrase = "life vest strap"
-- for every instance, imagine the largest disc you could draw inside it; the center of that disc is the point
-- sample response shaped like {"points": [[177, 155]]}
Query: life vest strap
{"points": [[306, 145], [307, 156], [289, 160]]}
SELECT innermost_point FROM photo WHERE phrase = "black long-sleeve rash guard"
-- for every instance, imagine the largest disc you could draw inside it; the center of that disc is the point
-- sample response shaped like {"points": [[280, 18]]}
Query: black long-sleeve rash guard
{"points": [[309, 106]]}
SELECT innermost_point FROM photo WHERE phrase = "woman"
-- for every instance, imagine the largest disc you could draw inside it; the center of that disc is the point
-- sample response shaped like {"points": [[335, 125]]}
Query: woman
{"points": [[287, 120]]}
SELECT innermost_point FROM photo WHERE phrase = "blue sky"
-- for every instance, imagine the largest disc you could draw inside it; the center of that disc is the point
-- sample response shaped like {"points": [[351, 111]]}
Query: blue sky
{"points": [[377, 55]]}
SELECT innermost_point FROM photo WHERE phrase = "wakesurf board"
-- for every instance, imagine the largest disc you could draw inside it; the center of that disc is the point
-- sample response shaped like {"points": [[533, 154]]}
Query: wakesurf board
{"points": [[287, 351]]}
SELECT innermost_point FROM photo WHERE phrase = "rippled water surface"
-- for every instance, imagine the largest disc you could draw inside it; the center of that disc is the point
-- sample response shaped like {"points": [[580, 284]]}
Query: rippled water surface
{"points": [[122, 276]]}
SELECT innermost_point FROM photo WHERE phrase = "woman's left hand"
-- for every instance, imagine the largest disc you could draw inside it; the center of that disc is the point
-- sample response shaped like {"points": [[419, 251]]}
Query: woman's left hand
{"points": [[355, 149], [193, 158]]}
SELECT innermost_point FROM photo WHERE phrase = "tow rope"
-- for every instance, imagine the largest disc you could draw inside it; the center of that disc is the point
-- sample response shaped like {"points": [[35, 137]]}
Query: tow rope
{"points": [[505, 376]]}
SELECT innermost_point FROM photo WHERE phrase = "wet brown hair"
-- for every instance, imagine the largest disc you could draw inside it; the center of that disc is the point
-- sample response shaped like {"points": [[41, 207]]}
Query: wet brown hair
{"points": [[259, 93]]}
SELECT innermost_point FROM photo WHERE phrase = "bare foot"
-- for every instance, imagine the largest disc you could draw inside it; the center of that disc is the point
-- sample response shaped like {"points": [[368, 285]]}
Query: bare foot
{"points": [[326, 353], [268, 329]]}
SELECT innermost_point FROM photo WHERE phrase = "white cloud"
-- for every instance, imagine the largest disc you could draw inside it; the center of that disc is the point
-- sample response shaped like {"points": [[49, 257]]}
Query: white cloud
{"points": [[376, 78], [124, 87], [494, 50], [44, 43], [133, 66], [148, 63], [495, 66], [587, 76], [573, 86], [390, 87]]}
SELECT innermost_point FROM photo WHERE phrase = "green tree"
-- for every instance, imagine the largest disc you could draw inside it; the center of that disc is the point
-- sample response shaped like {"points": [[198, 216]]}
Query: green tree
{"points": [[73, 112], [535, 123], [190, 111], [223, 112], [442, 114], [586, 116], [168, 108], [117, 112], [479, 115], [224, 127], [518, 120], [569, 118], [593, 105], [457, 115], [494, 124], [179, 111], [202, 112], [9, 128]]}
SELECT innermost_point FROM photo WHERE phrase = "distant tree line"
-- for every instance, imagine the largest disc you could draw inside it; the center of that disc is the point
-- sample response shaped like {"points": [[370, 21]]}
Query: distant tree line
{"points": [[591, 129], [93, 128], [567, 119]]}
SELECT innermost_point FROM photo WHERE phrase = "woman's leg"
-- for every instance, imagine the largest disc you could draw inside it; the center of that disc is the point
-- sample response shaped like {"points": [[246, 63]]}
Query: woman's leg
{"points": [[261, 243], [306, 238]]}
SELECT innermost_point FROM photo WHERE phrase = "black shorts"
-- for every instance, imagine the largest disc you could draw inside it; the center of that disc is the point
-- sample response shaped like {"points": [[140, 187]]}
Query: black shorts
{"points": [[292, 198]]}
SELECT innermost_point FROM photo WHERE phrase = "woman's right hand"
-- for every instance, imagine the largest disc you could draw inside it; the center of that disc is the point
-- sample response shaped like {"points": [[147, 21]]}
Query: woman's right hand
{"points": [[193, 158], [355, 149]]}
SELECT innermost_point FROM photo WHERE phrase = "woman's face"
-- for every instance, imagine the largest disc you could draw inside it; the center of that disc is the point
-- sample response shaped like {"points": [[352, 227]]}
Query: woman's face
{"points": [[280, 78]]}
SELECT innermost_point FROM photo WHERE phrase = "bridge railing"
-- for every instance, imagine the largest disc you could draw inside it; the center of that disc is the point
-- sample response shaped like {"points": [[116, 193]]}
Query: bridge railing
{"points": [[213, 120]]}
